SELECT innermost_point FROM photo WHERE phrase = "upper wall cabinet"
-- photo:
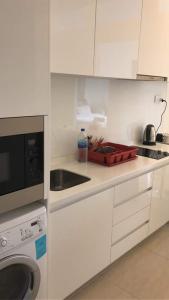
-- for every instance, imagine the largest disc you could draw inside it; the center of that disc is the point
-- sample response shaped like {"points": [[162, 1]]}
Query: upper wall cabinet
{"points": [[117, 38], [154, 38], [121, 39], [72, 24], [24, 58]]}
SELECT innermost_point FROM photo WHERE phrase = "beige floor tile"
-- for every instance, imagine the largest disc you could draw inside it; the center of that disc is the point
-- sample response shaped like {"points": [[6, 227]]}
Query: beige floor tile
{"points": [[159, 242], [166, 227], [143, 274], [101, 289], [129, 259]]}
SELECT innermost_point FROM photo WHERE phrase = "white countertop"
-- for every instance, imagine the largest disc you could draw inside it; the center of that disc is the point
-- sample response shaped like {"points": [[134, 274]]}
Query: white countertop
{"points": [[102, 177]]}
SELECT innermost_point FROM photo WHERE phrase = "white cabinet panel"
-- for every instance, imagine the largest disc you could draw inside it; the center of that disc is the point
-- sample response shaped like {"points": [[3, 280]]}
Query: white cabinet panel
{"points": [[154, 40], [132, 188], [117, 38], [160, 199], [127, 226], [79, 243], [24, 66], [72, 29], [113, 38], [131, 207], [129, 242]]}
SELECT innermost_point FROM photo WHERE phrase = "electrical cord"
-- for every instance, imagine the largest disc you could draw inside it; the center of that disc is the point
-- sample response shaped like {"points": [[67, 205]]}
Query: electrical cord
{"points": [[162, 100]]}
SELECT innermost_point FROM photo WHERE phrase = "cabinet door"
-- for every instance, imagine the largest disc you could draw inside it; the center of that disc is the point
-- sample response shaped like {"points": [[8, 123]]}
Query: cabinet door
{"points": [[72, 29], [117, 38], [160, 199], [154, 41], [165, 193], [24, 67], [79, 243]]}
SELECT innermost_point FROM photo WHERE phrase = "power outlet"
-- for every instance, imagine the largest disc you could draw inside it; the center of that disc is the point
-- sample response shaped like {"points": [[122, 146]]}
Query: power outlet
{"points": [[157, 99]]}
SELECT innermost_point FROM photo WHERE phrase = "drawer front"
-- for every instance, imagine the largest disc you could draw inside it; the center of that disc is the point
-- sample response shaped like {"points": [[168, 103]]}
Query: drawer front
{"points": [[130, 207], [129, 242], [132, 188], [124, 228]]}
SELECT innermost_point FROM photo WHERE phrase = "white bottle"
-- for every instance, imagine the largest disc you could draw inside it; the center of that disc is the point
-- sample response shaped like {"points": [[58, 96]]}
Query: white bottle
{"points": [[82, 146]]}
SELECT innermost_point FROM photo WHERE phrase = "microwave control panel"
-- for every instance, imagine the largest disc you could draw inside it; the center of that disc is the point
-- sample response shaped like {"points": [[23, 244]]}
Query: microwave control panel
{"points": [[34, 158]]}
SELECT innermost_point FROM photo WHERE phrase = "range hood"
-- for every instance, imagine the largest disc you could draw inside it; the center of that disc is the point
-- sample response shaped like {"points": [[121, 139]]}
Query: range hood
{"points": [[150, 78]]}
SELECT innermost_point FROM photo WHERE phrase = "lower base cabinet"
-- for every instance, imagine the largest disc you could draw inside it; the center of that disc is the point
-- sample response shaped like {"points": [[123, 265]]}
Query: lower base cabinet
{"points": [[87, 236], [160, 199], [79, 243], [129, 242]]}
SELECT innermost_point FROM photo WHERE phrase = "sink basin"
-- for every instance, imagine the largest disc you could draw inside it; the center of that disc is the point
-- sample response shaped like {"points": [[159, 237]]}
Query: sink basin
{"points": [[61, 179]]}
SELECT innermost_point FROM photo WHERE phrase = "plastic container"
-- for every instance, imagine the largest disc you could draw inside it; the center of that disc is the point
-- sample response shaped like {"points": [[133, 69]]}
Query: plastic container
{"points": [[120, 154], [82, 146]]}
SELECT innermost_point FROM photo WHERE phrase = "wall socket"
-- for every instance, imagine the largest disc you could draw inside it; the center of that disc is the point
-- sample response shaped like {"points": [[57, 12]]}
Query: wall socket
{"points": [[157, 99]]}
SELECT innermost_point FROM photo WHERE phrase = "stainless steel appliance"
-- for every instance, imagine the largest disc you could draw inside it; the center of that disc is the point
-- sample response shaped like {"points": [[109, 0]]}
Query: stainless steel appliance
{"points": [[149, 137], [163, 138], [21, 161]]}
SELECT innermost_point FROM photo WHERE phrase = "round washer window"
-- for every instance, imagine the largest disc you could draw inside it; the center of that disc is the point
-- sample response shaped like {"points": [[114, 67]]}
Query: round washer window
{"points": [[19, 278], [15, 281]]}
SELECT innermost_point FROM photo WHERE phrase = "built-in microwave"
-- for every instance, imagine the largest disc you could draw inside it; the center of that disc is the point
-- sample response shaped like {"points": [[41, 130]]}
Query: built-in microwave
{"points": [[21, 161]]}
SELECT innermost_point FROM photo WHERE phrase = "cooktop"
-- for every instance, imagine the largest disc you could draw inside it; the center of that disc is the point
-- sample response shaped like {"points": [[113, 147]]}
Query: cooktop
{"points": [[155, 154]]}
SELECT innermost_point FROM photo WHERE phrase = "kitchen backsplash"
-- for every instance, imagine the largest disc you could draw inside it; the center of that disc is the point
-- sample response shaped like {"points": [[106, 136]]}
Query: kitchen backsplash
{"points": [[115, 109], [166, 116]]}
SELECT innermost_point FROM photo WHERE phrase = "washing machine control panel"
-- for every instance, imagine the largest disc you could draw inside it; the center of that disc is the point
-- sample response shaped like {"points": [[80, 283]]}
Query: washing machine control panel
{"points": [[32, 229], [22, 233], [3, 242]]}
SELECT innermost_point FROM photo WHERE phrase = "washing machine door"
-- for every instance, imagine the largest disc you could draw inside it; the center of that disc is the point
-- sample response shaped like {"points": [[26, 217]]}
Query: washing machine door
{"points": [[19, 278]]}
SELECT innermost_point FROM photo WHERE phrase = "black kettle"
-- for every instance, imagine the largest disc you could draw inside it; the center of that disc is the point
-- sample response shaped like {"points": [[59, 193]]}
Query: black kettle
{"points": [[149, 137]]}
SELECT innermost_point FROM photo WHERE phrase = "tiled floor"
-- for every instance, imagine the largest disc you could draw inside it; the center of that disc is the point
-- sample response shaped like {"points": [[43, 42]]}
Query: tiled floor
{"points": [[143, 273]]}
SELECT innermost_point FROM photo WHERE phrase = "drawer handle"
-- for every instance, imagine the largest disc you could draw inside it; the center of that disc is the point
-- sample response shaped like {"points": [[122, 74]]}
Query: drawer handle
{"points": [[135, 229]]}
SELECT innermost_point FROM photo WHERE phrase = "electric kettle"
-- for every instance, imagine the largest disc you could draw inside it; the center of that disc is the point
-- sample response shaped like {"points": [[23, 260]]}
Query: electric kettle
{"points": [[149, 137]]}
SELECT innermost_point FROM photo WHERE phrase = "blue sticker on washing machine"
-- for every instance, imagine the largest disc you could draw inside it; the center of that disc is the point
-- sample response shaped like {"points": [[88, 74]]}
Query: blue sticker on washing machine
{"points": [[40, 246]]}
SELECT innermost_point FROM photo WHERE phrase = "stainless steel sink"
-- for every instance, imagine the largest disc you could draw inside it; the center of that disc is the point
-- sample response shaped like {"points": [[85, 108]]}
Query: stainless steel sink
{"points": [[61, 179]]}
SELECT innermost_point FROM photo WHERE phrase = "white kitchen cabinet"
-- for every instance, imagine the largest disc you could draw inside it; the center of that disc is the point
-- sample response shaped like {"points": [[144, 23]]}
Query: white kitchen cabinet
{"points": [[131, 214], [129, 242], [154, 38], [79, 243], [117, 38], [132, 188], [127, 226], [87, 236], [24, 66], [160, 199], [131, 207], [113, 38], [132, 38], [72, 26]]}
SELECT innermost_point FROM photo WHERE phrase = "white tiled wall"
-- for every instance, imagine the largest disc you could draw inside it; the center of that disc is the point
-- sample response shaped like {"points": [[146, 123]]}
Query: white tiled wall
{"points": [[166, 118], [115, 109]]}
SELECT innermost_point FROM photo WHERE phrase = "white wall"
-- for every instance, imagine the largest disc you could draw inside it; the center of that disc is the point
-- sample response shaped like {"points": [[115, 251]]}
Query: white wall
{"points": [[116, 109]]}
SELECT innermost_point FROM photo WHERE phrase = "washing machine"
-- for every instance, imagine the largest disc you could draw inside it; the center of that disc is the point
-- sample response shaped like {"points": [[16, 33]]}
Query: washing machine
{"points": [[23, 257]]}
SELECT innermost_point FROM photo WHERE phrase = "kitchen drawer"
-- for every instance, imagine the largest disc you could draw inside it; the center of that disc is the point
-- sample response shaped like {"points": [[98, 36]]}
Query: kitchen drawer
{"points": [[130, 207], [124, 228], [129, 242], [132, 188]]}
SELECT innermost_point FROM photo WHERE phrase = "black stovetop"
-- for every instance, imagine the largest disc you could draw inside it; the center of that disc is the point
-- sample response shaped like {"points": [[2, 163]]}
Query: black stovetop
{"points": [[155, 154]]}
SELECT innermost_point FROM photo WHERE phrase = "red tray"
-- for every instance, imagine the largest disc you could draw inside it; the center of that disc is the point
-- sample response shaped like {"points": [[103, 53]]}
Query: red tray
{"points": [[121, 154]]}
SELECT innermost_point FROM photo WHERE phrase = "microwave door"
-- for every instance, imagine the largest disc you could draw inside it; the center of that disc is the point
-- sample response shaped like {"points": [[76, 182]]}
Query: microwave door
{"points": [[11, 163], [34, 158]]}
